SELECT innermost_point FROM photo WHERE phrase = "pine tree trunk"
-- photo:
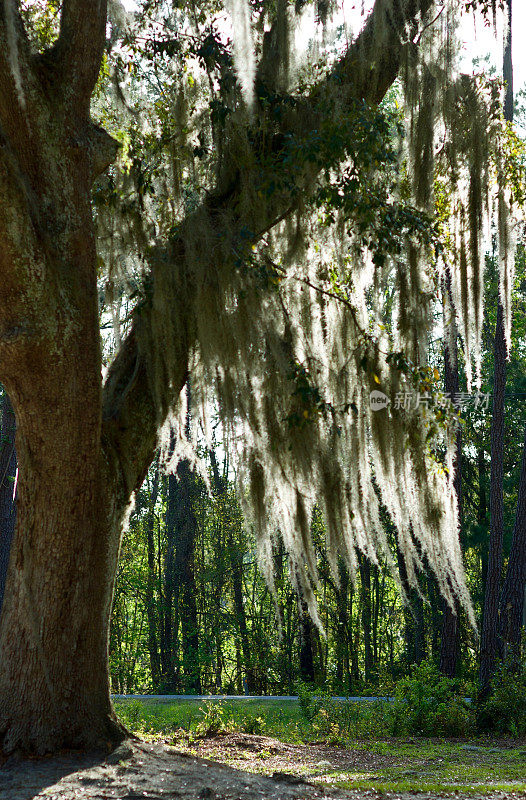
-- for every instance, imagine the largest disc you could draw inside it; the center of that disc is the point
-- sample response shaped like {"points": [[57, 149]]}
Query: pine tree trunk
{"points": [[482, 516], [305, 644], [450, 641], [511, 617], [151, 610], [182, 524], [490, 622], [489, 636], [236, 566], [365, 576], [414, 621], [343, 676]]}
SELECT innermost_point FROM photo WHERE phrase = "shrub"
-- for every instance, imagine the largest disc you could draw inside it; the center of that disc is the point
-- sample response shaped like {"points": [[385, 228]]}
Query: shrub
{"points": [[312, 699], [429, 704], [213, 721], [254, 725], [504, 710]]}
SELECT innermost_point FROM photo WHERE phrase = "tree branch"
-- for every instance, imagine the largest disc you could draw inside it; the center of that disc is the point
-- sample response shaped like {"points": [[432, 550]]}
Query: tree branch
{"points": [[364, 73], [369, 70], [79, 49]]}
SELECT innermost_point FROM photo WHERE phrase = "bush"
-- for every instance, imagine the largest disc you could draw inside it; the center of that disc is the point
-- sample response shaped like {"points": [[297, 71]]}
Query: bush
{"points": [[504, 711], [429, 704], [213, 721], [253, 725], [312, 699]]}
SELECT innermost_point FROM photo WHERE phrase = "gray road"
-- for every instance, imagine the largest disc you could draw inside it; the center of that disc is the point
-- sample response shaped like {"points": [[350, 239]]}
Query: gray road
{"points": [[170, 698]]}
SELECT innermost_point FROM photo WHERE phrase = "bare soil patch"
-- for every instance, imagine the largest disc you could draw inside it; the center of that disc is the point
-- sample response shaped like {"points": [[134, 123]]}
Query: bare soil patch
{"points": [[263, 754], [144, 771]]}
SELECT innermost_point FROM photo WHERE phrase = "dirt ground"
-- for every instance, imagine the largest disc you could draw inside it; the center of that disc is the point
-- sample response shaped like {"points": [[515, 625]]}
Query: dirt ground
{"points": [[266, 768], [144, 771], [263, 754]]}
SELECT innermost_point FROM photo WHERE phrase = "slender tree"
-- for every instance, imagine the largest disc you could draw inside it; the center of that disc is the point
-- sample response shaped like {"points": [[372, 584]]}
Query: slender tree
{"points": [[490, 623], [512, 599], [151, 606], [450, 640]]}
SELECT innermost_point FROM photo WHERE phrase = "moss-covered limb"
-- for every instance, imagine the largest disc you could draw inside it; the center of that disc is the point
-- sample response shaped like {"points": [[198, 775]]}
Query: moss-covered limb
{"points": [[379, 64], [130, 414], [255, 337], [373, 61]]}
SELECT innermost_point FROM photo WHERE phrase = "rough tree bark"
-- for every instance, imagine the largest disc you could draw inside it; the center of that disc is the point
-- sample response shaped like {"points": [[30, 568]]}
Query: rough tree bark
{"points": [[511, 616], [84, 449], [450, 641], [7, 487], [490, 621]]}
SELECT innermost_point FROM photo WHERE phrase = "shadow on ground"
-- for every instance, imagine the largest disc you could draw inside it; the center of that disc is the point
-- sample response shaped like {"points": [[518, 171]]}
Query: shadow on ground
{"points": [[139, 771]]}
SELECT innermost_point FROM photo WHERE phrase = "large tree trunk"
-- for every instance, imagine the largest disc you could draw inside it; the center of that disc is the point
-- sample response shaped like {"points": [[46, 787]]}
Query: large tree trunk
{"points": [[54, 685]]}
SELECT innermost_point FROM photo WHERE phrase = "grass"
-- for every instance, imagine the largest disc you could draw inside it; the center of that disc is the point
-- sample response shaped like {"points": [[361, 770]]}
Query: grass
{"points": [[283, 720], [370, 759], [442, 766]]}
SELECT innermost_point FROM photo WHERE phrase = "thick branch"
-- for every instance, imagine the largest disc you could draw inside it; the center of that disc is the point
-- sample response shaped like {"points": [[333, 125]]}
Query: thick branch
{"points": [[365, 72], [80, 48], [368, 71], [129, 415]]}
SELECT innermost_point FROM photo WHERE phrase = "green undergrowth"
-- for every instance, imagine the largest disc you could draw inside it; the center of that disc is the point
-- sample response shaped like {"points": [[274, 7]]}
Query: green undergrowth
{"points": [[283, 720], [322, 720], [425, 703]]}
